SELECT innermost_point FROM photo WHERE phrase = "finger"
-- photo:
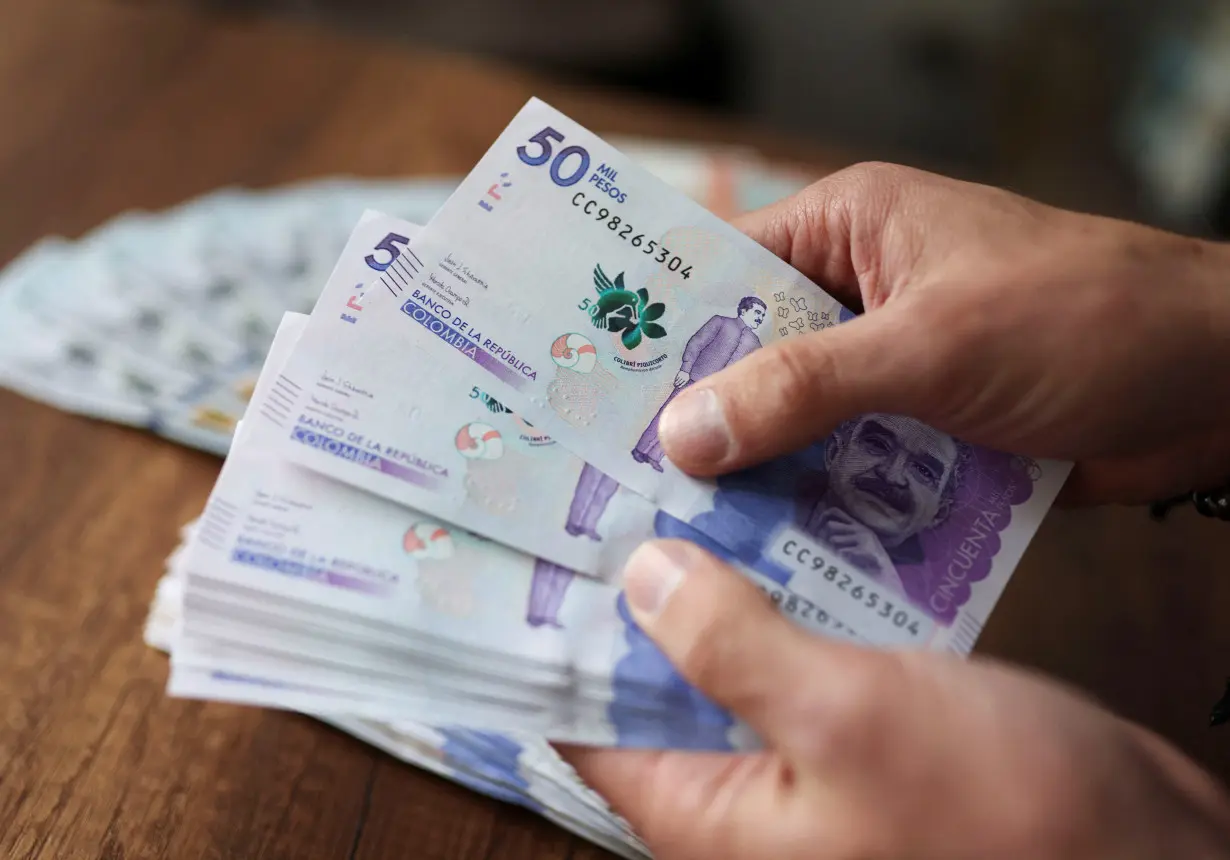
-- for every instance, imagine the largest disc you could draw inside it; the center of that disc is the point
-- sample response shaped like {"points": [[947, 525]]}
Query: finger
{"points": [[842, 524], [782, 397], [1196, 784], [835, 516], [842, 541], [684, 804], [725, 638], [830, 231], [811, 232]]}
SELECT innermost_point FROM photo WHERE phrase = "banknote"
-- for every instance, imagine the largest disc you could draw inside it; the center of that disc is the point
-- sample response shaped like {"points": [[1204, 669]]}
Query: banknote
{"points": [[150, 309], [305, 593], [58, 357], [291, 533], [586, 295], [515, 768], [161, 319], [414, 434]]}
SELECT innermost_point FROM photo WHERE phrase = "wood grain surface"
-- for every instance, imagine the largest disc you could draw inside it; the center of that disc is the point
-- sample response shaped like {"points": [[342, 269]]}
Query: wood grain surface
{"points": [[105, 106]]}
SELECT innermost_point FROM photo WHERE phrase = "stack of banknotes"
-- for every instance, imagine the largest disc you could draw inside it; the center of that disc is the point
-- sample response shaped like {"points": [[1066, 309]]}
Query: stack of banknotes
{"points": [[162, 320], [522, 769], [420, 526]]}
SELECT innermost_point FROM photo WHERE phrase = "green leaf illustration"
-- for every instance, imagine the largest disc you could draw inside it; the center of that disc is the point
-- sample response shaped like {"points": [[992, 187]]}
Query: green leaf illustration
{"points": [[632, 338], [601, 281], [621, 323], [643, 295], [652, 330], [652, 312], [619, 281]]}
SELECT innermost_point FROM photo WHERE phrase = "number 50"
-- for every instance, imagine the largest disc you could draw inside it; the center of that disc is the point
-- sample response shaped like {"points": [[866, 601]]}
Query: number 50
{"points": [[543, 139]]}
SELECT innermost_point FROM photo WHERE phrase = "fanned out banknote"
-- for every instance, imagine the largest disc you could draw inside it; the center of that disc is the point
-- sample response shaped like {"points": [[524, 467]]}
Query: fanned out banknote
{"points": [[426, 510], [441, 447], [163, 320], [339, 596]]}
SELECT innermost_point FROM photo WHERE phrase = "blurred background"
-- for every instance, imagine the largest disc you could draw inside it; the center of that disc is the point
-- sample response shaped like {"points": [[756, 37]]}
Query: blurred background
{"points": [[1118, 106]]}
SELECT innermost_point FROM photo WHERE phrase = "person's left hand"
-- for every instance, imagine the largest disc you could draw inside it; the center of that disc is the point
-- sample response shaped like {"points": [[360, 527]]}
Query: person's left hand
{"points": [[876, 754]]}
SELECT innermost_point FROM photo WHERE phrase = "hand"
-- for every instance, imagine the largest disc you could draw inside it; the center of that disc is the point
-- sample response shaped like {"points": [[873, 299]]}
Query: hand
{"points": [[879, 755], [682, 378], [858, 545], [994, 318]]}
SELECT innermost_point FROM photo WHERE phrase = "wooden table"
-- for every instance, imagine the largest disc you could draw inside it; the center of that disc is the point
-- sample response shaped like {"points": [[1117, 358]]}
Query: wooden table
{"points": [[106, 106]]}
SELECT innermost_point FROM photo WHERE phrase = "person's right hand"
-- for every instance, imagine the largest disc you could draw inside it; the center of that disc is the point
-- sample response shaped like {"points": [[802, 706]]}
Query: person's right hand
{"points": [[873, 754], [997, 319]]}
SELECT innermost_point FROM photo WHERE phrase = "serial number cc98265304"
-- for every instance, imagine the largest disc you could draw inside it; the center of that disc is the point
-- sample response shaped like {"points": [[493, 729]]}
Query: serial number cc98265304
{"points": [[567, 167], [864, 603]]}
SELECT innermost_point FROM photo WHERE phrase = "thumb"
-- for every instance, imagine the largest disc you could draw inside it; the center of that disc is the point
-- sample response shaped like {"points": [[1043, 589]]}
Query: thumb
{"points": [[725, 638], [782, 397]]}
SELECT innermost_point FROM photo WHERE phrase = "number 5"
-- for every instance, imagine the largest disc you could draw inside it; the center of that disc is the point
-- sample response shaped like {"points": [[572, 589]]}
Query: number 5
{"points": [[543, 139], [386, 244]]}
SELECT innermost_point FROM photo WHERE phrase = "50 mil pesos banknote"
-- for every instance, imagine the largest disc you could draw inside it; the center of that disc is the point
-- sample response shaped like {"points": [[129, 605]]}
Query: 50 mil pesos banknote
{"points": [[335, 598], [345, 419], [415, 432], [585, 295]]}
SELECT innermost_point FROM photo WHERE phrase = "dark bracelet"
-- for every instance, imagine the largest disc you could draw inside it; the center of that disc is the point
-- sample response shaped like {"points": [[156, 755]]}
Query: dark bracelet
{"points": [[1221, 711], [1214, 504]]}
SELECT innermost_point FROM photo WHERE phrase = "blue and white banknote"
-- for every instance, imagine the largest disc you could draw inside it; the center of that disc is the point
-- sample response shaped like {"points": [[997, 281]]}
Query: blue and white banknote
{"points": [[414, 433], [514, 768], [308, 594], [567, 514], [585, 294], [161, 319]]}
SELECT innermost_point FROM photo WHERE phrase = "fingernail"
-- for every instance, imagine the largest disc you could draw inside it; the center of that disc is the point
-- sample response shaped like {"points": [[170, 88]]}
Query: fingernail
{"points": [[654, 572], [694, 426]]}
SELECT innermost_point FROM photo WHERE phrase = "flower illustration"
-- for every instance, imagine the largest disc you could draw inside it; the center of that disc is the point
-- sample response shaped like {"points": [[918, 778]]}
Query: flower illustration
{"points": [[619, 309]]}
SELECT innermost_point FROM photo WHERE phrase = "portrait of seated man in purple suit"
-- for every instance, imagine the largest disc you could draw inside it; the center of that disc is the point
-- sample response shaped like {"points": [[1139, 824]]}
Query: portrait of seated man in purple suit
{"points": [[887, 480], [719, 343]]}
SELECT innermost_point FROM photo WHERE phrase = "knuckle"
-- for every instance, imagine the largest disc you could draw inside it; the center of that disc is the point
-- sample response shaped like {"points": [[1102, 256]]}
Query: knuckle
{"points": [[773, 384], [846, 717], [805, 381], [709, 658], [874, 177], [794, 371]]}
